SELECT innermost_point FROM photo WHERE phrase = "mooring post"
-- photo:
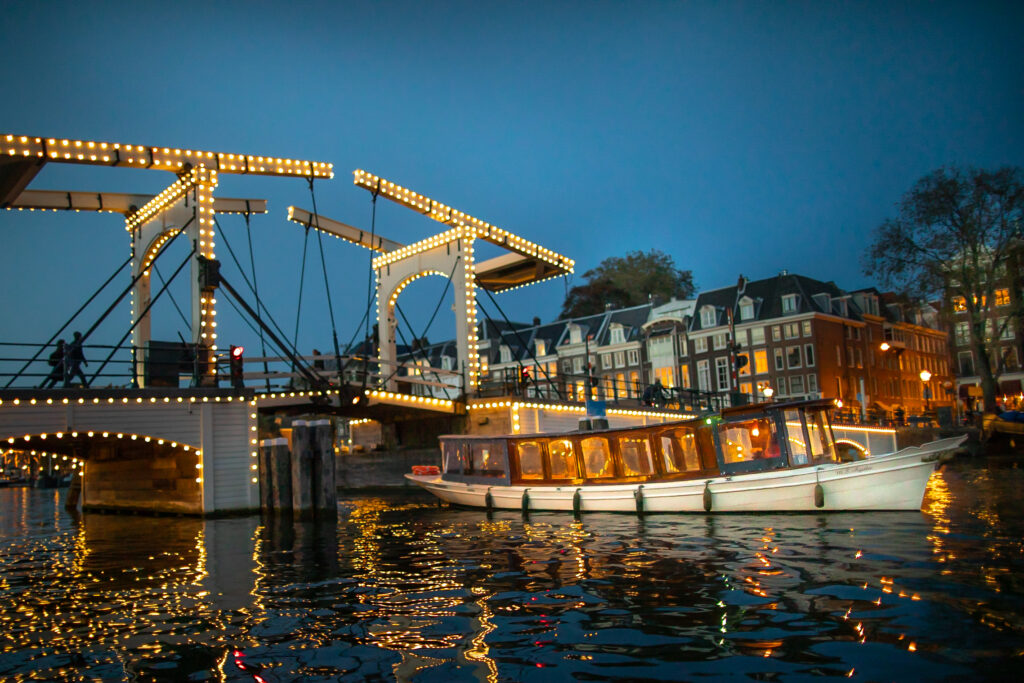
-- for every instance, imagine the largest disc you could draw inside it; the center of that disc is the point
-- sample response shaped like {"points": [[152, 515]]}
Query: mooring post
{"points": [[74, 491], [326, 493], [265, 465], [302, 468], [280, 479]]}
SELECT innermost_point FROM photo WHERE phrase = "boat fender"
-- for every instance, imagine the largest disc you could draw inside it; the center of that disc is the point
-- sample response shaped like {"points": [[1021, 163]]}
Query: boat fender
{"points": [[526, 502], [819, 493], [707, 496], [576, 503], [639, 496], [489, 500]]}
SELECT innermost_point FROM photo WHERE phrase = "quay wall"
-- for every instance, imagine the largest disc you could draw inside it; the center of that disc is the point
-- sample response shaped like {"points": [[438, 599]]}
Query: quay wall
{"points": [[381, 469]]}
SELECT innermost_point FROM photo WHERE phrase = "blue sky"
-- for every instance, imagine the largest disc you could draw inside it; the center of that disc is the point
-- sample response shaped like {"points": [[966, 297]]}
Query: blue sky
{"points": [[737, 137]]}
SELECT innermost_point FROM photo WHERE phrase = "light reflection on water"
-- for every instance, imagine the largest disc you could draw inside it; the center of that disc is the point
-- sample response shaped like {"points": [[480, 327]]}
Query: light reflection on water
{"points": [[402, 589]]}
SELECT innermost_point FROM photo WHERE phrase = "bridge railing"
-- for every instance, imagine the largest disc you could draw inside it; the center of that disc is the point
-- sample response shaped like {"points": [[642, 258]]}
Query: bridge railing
{"points": [[29, 365], [277, 372], [617, 393]]}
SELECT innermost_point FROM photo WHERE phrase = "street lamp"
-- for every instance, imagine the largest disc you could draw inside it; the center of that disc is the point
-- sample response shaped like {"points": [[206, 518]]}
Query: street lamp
{"points": [[767, 391], [925, 376], [898, 351]]}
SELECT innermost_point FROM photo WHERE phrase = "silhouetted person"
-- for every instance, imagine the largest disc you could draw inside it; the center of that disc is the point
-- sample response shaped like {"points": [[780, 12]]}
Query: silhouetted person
{"points": [[75, 361], [56, 361]]}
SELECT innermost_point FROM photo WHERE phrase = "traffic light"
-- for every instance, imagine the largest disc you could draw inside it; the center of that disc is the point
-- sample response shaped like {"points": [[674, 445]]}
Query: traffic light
{"points": [[236, 366], [524, 375], [742, 360]]}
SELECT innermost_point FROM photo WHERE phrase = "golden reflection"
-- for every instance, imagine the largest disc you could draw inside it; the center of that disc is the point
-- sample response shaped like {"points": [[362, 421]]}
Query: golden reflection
{"points": [[412, 599]]}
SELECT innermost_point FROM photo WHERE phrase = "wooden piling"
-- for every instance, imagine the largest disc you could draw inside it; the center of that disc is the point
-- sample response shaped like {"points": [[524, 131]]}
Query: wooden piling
{"points": [[74, 491], [326, 488], [302, 469], [265, 467], [280, 468]]}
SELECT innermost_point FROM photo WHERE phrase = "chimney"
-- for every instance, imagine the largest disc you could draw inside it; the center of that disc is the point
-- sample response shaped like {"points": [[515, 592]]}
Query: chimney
{"points": [[536, 321]]}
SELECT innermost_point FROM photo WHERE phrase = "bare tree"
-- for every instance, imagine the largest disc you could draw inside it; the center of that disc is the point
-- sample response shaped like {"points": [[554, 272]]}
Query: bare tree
{"points": [[957, 235]]}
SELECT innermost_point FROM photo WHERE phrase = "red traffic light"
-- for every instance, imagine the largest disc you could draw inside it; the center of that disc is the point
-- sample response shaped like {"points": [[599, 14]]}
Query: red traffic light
{"points": [[237, 351]]}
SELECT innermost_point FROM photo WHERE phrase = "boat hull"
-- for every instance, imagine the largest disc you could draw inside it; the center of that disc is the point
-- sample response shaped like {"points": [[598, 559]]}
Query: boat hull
{"points": [[889, 482]]}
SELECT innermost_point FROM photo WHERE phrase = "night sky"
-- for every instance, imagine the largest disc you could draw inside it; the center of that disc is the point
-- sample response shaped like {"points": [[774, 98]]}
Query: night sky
{"points": [[737, 137]]}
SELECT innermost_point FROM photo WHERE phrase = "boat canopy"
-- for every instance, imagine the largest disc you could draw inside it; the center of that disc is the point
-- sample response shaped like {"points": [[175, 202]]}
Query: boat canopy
{"points": [[754, 438]]}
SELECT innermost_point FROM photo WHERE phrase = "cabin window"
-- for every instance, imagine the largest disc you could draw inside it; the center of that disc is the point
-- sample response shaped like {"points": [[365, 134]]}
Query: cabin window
{"points": [[820, 437], [453, 456], [531, 460], [562, 460], [749, 440], [679, 451], [486, 460], [597, 458], [636, 456], [795, 433]]}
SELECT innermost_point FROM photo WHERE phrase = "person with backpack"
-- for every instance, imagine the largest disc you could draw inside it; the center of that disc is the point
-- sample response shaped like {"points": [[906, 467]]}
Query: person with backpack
{"points": [[56, 362], [75, 361]]}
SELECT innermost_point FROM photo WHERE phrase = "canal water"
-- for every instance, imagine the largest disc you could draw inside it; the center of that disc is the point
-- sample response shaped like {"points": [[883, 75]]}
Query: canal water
{"points": [[401, 589]]}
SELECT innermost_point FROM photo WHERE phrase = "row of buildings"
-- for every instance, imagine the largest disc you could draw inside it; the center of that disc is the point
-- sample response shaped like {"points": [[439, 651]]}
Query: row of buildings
{"points": [[786, 337]]}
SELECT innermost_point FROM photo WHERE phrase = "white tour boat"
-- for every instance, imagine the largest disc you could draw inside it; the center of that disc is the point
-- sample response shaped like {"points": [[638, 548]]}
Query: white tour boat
{"points": [[779, 457]]}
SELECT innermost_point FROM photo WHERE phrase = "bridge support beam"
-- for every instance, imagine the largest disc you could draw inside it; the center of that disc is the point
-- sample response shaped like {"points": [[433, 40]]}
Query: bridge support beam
{"points": [[186, 206], [449, 254]]}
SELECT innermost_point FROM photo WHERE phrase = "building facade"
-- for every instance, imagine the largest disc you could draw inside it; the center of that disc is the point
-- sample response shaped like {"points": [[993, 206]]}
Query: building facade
{"points": [[787, 337]]}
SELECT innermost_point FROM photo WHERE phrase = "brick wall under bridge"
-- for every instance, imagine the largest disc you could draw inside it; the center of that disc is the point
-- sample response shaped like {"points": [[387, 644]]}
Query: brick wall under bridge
{"points": [[184, 451]]}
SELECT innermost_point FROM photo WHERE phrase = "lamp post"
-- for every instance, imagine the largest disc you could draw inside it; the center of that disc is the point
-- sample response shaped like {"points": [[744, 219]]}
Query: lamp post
{"points": [[898, 351], [766, 391], [925, 376]]}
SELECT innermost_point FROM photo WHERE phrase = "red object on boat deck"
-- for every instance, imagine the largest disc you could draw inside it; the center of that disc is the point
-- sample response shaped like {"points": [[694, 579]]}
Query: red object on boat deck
{"points": [[421, 470]]}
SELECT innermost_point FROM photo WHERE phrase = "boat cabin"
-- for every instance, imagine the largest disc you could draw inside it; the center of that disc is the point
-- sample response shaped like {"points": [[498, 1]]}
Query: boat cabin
{"points": [[755, 438]]}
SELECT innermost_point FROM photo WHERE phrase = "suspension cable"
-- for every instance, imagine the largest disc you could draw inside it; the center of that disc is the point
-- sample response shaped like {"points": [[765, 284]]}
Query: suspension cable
{"points": [[188, 325], [141, 317], [323, 264], [515, 330], [369, 283], [302, 281], [250, 285], [70, 320], [413, 349], [135, 279], [255, 291]]}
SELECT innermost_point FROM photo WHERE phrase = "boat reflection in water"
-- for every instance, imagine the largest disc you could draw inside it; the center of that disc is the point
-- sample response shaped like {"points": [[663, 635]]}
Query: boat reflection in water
{"points": [[402, 589], [773, 457]]}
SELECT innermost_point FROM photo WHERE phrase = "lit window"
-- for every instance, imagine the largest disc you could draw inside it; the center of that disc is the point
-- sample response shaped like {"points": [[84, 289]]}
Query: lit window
{"points": [[679, 451], [636, 456], [562, 460], [530, 460], [1003, 297], [597, 461], [761, 361]]}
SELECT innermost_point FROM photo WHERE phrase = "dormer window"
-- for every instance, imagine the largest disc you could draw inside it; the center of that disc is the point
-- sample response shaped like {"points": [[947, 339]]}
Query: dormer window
{"points": [[505, 353], [540, 347], [447, 363], [618, 334], [575, 334], [790, 303], [707, 317], [746, 308]]}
